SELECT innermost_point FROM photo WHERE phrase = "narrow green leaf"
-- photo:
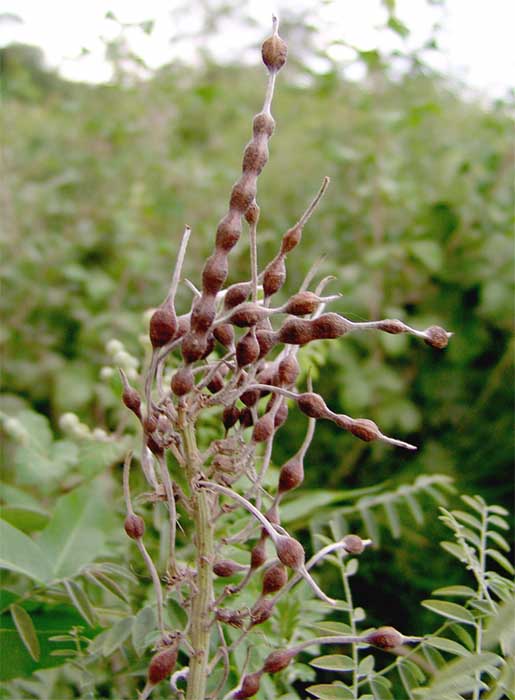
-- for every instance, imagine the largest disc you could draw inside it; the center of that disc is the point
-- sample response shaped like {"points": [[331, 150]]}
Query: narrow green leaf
{"points": [[64, 652], [468, 519], [143, 624], [453, 611], [80, 601], [26, 519], [370, 524], [498, 522], [501, 560], [463, 635], [380, 687], [351, 567], [21, 554], [393, 519], [445, 644], [107, 583], [474, 503], [459, 675], [499, 510], [499, 540], [416, 510], [333, 662], [333, 627], [455, 549], [460, 591], [366, 666], [325, 691], [116, 636], [26, 630]]}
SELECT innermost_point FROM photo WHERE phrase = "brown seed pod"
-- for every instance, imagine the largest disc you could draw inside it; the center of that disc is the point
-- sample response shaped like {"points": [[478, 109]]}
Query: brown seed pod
{"points": [[210, 346], [281, 414], [274, 52], [258, 554], [243, 192], [227, 567], [230, 416], [215, 272], [183, 325], [302, 303], [261, 611], [228, 232], [274, 579], [224, 333], [264, 428], [436, 337], [134, 526], [236, 294], [313, 405], [230, 617], [391, 325], [353, 544], [193, 346], [246, 418], [288, 371], [364, 429], [250, 397], [247, 315], [132, 400], [272, 515], [278, 660], [385, 638], [249, 686], [290, 552], [150, 423], [295, 331], [182, 381], [291, 474], [267, 340], [163, 325], [255, 157], [162, 665], [329, 326], [274, 276], [217, 381], [202, 314], [291, 239], [252, 213], [154, 446], [247, 349], [263, 123]]}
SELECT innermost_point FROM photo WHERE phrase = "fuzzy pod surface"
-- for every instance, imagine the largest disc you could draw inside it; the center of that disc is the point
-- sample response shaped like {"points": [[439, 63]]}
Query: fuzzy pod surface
{"points": [[278, 660], [290, 552], [182, 381], [274, 579], [162, 665], [134, 526], [163, 326], [249, 686], [291, 474], [385, 638], [353, 544]]}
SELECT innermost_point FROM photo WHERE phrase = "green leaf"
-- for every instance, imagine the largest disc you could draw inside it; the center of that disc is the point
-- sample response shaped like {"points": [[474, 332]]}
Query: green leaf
{"points": [[95, 456], [325, 691], [459, 675], [19, 553], [499, 540], [117, 635], [26, 630], [77, 532], [143, 624], [380, 687], [366, 666], [463, 635], [26, 519], [415, 508], [410, 674], [333, 662], [460, 591], [447, 645], [107, 583], [370, 523], [467, 518], [453, 611], [499, 510], [80, 601], [501, 560], [498, 522], [455, 549], [474, 503], [393, 519]]}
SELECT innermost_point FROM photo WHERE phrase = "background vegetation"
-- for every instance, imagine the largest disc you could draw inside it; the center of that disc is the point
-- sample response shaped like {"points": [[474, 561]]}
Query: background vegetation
{"points": [[417, 225]]}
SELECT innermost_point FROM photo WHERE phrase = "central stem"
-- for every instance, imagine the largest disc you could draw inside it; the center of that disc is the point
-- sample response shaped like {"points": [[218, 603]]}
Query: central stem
{"points": [[202, 596]]}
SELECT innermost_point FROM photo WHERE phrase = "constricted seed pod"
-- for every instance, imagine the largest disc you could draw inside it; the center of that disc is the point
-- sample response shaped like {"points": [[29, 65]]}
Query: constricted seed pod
{"points": [[246, 418], [329, 326], [132, 400], [236, 294], [247, 349], [313, 405], [261, 611], [353, 544], [274, 53], [228, 232], [291, 239], [258, 554], [302, 303], [278, 660], [242, 193], [391, 325], [230, 416], [182, 381], [255, 157], [193, 346], [274, 276], [264, 428], [226, 567], [436, 337], [267, 340], [288, 370], [250, 397], [249, 686], [290, 552], [274, 579], [224, 333], [247, 315], [215, 272], [291, 474], [202, 314], [163, 325], [263, 123], [162, 665], [385, 638], [281, 414], [364, 429], [295, 331], [134, 526]]}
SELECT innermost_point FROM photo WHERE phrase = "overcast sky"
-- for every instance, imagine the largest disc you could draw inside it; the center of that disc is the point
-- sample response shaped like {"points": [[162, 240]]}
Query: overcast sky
{"points": [[476, 38]]}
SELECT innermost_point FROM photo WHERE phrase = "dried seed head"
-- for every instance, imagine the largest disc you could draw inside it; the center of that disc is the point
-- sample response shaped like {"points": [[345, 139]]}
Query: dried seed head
{"points": [[236, 294], [247, 315], [247, 349], [263, 124], [278, 660], [274, 579], [391, 325], [291, 239], [249, 686], [182, 381], [202, 314], [281, 414], [162, 664], [274, 52], [313, 405], [255, 157], [224, 334], [193, 346], [214, 273], [246, 418], [353, 544], [288, 370], [258, 554], [295, 331], [274, 276], [266, 340], [290, 552], [261, 612], [250, 397], [364, 429], [230, 416], [437, 337], [385, 638], [134, 526], [329, 326], [242, 193], [163, 325], [227, 567], [228, 232], [302, 303], [291, 474], [264, 428]]}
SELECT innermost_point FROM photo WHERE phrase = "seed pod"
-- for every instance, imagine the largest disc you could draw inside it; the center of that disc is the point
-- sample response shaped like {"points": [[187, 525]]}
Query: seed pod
{"points": [[290, 552], [154, 446], [295, 331], [249, 686], [255, 157], [364, 429], [230, 416], [202, 314], [214, 273], [385, 638], [278, 660], [261, 611], [274, 276], [162, 665], [436, 337], [183, 325], [210, 346], [224, 334], [313, 405], [134, 526], [252, 213], [242, 193], [230, 617], [217, 382], [264, 428], [236, 294], [163, 325], [274, 52], [291, 474], [228, 232], [250, 397], [246, 418], [302, 303], [329, 326], [391, 325], [182, 381], [291, 239], [266, 340], [353, 544], [263, 123], [150, 423], [288, 370], [193, 346], [131, 399], [247, 315], [281, 414], [258, 554], [227, 567], [272, 515], [247, 349], [274, 579]]}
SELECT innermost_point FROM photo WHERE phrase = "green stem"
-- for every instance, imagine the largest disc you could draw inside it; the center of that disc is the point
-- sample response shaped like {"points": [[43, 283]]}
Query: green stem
{"points": [[355, 654]]}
